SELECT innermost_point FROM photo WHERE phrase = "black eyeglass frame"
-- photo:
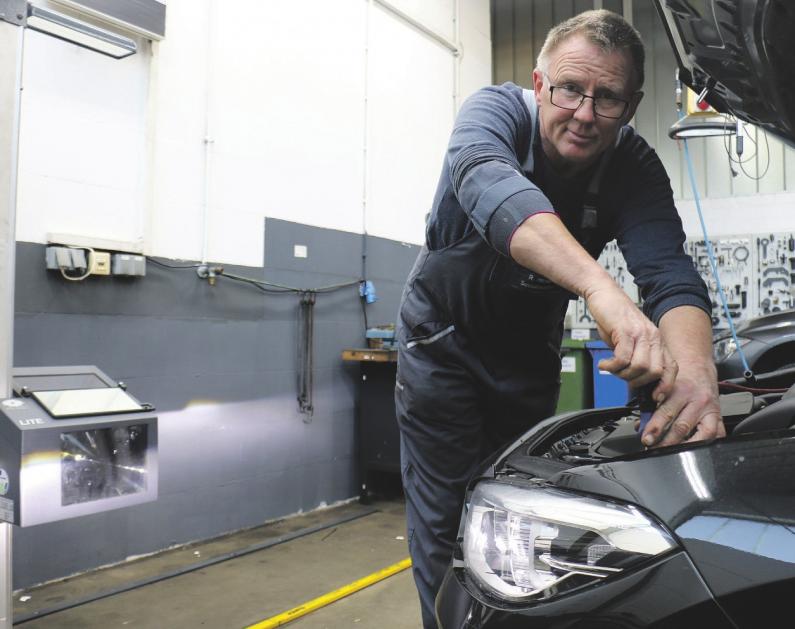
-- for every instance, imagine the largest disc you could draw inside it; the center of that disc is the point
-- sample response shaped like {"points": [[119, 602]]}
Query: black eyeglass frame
{"points": [[552, 89]]}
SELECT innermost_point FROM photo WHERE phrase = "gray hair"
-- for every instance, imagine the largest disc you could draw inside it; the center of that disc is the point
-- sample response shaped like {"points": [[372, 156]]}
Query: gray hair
{"points": [[607, 30]]}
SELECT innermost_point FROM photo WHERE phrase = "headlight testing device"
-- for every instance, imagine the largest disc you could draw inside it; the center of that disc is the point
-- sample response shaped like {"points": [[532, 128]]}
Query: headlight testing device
{"points": [[73, 442]]}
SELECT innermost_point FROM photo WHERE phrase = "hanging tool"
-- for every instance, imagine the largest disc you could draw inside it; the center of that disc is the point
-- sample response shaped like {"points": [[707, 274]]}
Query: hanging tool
{"points": [[306, 325]]}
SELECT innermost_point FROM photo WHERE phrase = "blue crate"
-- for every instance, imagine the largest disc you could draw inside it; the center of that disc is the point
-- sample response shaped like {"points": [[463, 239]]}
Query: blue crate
{"points": [[608, 390]]}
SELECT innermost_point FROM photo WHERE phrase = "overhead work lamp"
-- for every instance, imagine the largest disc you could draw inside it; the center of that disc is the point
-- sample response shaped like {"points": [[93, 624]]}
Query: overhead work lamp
{"points": [[80, 33], [700, 119]]}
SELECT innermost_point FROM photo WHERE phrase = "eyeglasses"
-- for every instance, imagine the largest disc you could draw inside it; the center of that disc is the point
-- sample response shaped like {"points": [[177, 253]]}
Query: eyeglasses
{"points": [[566, 97]]}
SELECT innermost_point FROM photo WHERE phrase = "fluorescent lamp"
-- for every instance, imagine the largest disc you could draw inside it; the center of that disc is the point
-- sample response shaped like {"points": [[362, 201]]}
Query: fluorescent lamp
{"points": [[80, 33], [701, 125]]}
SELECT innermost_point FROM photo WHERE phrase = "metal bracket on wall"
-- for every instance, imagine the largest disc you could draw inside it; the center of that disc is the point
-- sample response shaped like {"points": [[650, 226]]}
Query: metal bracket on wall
{"points": [[14, 11]]}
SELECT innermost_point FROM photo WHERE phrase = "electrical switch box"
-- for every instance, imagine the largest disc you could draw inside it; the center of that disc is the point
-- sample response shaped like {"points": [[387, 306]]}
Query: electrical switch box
{"points": [[100, 262], [66, 258], [128, 264]]}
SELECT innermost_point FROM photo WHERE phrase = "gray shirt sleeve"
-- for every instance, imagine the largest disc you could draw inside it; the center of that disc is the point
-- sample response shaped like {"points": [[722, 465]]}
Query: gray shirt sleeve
{"points": [[491, 132]]}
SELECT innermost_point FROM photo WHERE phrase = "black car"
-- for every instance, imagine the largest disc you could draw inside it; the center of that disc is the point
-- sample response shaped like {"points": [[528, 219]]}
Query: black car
{"points": [[768, 343], [576, 525]]}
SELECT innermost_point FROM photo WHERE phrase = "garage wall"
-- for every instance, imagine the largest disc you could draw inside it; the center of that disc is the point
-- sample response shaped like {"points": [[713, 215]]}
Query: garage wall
{"points": [[249, 129], [519, 28], [332, 114], [220, 366]]}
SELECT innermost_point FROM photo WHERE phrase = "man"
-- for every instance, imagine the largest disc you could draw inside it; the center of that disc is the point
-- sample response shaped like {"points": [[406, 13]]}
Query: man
{"points": [[533, 186]]}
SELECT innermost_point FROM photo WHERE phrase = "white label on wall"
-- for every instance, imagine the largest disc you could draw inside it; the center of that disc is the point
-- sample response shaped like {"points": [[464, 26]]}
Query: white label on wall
{"points": [[568, 364], [299, 251], [3, 482], [581, 334], [6, 510]]}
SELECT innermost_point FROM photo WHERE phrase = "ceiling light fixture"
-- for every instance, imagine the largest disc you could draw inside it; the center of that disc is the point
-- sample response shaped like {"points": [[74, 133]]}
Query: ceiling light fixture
{"points": [[80, 33]]}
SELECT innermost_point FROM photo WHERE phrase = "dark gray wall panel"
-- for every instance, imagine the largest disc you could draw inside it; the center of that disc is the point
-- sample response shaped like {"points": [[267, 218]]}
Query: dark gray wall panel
{"points": [[219, 364]]}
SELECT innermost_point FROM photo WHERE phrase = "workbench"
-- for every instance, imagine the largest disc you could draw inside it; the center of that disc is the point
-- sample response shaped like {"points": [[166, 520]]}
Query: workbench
{"points": [[377, 435]]}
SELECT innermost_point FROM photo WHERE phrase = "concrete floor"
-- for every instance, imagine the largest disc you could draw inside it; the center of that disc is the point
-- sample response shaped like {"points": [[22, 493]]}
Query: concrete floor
{"points": [[248, 589]]}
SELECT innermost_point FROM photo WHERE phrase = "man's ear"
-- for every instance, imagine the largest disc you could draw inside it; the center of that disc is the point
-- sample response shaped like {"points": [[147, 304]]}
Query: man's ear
{"points": [[633, 105], [538, 84]]}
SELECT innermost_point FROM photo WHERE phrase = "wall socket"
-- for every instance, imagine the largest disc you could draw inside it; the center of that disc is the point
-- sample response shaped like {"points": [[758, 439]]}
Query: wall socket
{"points": [[100, 262]]}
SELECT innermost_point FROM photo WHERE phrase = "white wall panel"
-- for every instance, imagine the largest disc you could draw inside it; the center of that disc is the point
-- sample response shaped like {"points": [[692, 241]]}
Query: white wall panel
{"points": [[178, 114], [286, 116], [82, 162], [770, 158], [436, 15], [286, 95], [736, 215], [475, 34], [411, 114], [116, 149], [789, 168]]}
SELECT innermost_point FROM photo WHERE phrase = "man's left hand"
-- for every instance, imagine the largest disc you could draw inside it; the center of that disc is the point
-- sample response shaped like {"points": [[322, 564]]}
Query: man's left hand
{"points": [[691, 410]]}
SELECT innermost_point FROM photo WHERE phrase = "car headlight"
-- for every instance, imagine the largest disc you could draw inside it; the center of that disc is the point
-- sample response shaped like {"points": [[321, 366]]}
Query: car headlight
{"points": [[724, 348], [528, 543]]}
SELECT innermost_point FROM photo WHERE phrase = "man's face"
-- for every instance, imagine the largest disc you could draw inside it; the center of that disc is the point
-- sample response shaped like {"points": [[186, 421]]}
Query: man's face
{"points": [[574, 139]]}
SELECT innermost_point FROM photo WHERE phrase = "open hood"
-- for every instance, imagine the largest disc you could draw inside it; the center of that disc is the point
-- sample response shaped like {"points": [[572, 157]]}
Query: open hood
{"points": [[743, 52]]}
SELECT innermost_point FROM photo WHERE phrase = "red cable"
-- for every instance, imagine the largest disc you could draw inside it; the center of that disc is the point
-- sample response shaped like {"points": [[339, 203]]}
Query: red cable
{"points": [[740, 387]]}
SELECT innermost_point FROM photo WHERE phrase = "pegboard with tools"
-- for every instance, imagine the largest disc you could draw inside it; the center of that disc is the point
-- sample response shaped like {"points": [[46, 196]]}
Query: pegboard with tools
{"points": [[757, 272], [775, 280], [734, 259], [613, 262]]}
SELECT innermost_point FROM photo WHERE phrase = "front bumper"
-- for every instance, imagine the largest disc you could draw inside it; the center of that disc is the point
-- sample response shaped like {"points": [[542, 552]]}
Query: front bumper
{"points": [[666, 594]]}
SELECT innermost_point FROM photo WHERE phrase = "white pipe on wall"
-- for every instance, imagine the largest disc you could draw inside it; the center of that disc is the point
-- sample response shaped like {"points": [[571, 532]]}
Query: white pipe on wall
{"points": [[457, 54], [441, 39], [208, 138], [366, 125]]}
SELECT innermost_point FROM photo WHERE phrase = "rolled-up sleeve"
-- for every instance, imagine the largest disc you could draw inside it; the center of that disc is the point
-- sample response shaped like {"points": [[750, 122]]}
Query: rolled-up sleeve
{"points": [[651, 239], [492, 129], [664, 273]]}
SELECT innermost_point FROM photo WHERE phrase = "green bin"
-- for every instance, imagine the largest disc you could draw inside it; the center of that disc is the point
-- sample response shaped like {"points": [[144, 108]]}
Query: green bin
{"points": [[576, 381]]}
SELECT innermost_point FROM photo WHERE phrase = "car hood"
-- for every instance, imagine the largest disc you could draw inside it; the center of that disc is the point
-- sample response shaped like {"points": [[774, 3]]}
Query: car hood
{"points": [[772, 325], [743, 52], [729, 502]]}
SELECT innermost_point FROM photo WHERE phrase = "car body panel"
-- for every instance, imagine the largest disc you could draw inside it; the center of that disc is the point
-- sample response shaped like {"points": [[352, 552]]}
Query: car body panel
{"points": [[771, 345], [730, 503], [668, 593]]}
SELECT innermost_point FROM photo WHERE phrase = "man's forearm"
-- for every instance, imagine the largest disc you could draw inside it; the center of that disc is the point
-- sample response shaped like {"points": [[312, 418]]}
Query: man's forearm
{"points": [[544, 245], [687, 332]]}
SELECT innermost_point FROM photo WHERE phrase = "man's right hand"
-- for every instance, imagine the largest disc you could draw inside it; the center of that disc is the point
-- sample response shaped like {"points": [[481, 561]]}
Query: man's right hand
{"points": [[539, 244], [640, 355]]}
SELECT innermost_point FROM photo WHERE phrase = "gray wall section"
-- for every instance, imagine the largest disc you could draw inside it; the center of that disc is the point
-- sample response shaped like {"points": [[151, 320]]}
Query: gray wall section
{"points": [[220, 365]]}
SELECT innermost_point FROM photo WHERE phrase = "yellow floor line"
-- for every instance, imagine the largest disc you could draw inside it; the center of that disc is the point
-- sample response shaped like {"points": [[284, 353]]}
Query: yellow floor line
{"points": [[327, 599]]}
